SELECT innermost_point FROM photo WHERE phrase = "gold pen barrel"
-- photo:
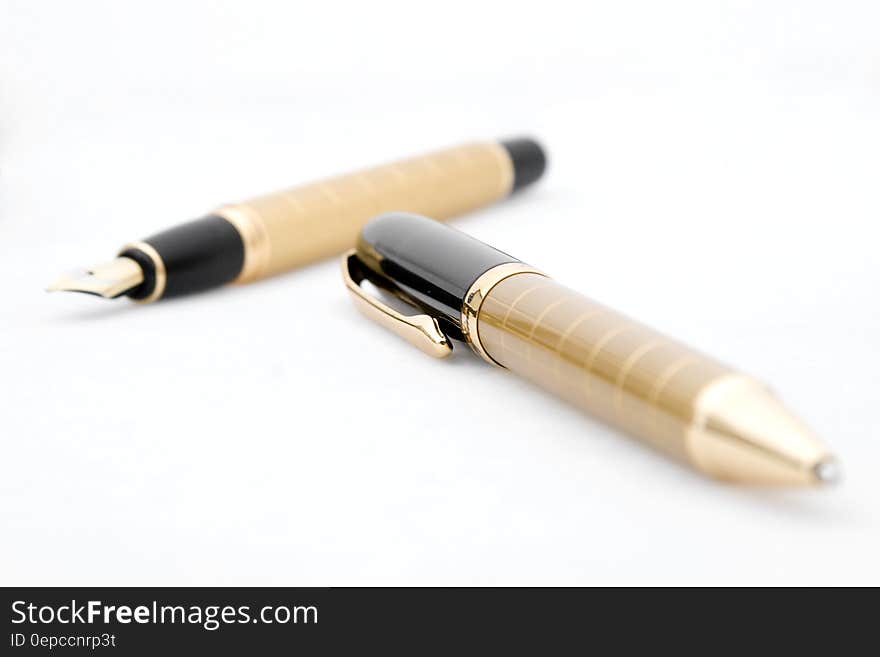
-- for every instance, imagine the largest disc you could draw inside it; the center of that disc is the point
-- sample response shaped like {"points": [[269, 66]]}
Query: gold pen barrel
{"points": [[653, 387], [295, 227], [246, 241], [627, 374]]}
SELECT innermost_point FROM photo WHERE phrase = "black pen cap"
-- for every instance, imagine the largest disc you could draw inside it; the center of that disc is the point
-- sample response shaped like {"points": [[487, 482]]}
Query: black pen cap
{"points": [[430, 264]]}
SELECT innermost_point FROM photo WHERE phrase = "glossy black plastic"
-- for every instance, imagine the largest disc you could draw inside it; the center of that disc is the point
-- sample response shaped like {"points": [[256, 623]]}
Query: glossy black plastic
{"points": [[430, 264], [197, 255]]}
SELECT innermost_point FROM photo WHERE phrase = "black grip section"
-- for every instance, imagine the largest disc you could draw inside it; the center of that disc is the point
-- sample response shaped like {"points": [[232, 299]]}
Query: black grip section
{"points": [[431, 264], [529, 161], [197, 255]]}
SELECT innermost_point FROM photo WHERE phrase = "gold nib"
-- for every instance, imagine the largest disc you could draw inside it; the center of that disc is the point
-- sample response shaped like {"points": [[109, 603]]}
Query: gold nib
{"points": [[744, 434], [108, 280]]}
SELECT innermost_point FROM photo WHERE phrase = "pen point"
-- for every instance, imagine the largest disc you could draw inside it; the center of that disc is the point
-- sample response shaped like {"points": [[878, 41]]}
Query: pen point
{"points": [[107, 280], [828, 471]]}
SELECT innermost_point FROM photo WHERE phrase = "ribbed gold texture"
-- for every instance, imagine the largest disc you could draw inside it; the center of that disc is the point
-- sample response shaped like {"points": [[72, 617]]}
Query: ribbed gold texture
{"points": [[295, 227], [627, 374]]}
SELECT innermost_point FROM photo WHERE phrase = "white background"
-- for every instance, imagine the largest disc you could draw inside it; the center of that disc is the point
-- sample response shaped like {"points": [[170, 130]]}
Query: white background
{"points": [[714, 172]]}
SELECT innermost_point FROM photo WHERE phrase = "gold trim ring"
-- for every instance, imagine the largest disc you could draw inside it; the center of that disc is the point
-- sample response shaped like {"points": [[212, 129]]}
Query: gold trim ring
{"points": [[475, 296], [252, 229], [158, 265]]}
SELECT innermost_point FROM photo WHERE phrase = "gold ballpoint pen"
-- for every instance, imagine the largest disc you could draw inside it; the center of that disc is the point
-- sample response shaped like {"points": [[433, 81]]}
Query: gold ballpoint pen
{"points": [[246, 241], [718, 420]]}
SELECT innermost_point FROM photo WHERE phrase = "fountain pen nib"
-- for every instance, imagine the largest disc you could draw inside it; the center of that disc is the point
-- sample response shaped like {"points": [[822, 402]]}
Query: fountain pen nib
{"points": [[108, 280]]}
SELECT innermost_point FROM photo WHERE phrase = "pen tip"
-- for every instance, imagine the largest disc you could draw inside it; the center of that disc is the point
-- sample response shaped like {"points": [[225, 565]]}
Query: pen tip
{"points": [[108, 280], [828, 471]]}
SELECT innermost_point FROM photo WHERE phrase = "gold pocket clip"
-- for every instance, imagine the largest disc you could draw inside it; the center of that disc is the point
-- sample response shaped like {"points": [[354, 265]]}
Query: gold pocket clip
{"points": [[421, 331]]}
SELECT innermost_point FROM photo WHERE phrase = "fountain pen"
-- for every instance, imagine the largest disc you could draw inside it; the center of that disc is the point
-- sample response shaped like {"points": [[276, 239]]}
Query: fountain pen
{"points": [[722, 422], [254, 239]]}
